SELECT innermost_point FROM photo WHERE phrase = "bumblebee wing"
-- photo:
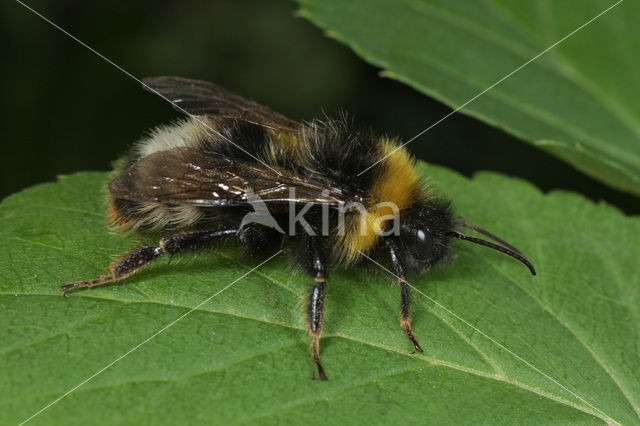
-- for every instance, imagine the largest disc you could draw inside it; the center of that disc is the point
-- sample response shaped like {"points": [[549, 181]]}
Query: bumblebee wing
{"points": [[184, 176], [203, 98]]}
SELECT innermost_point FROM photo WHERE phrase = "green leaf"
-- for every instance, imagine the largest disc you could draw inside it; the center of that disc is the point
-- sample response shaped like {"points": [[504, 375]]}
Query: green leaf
{"points": [[243, 357], [579, 101]]}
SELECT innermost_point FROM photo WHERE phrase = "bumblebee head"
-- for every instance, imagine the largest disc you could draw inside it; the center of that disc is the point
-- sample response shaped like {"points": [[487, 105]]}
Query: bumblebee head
{"points": [[426, 233]]}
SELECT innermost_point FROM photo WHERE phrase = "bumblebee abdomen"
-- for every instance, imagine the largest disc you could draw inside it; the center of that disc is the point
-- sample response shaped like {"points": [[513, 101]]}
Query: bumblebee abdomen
{"points": [[128, 215]]}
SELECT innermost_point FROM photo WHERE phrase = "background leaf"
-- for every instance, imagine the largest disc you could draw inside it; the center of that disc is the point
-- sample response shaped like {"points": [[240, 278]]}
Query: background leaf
{"points": [[244, 355], [579, 101]]}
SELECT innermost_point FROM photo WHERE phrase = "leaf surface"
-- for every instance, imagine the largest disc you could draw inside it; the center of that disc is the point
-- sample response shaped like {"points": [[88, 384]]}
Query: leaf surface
{"points": [[243, 356], [578, 101]]}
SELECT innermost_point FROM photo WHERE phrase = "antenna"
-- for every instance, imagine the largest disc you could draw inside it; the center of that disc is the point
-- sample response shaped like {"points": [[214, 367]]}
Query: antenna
{"points": [[508, 250], [461, 222]]}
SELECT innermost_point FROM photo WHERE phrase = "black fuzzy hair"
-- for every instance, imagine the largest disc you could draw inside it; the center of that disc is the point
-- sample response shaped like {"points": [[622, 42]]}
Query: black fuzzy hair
{"points": [[434, 218]]}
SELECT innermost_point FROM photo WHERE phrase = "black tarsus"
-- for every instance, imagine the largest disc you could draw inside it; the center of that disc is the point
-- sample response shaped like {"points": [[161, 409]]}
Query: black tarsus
{"points": [[318, 265], [405, 302], [508, 251], [174, 244], [316, 314], [406, 316]]}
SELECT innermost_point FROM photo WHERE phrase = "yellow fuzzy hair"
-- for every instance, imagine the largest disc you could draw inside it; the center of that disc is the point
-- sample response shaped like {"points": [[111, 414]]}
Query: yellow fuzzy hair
{"points": [[283, 142], [396, 182]]}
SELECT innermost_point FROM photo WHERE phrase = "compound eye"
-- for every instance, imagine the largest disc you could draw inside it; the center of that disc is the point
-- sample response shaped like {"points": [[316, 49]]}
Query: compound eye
{"points": [[424, 238]]}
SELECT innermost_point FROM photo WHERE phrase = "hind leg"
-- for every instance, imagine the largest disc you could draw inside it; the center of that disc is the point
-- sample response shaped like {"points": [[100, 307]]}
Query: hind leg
{"points": [[132, 262]]}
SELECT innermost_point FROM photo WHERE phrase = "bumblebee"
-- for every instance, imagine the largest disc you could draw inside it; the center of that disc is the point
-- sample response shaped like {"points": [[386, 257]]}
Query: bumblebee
{"points": [[197, 182]]}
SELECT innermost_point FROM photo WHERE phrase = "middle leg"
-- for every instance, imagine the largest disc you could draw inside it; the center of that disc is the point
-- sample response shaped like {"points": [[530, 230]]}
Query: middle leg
{"points": [[316, 314], [312, 257]]}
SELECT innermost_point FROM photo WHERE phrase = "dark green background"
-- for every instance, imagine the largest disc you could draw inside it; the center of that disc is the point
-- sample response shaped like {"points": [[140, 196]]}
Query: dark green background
{"points": [[64, 109]]}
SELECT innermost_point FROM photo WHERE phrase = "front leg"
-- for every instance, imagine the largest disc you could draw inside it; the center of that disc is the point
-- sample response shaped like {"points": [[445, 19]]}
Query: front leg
{"points": [[405, 306]]}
